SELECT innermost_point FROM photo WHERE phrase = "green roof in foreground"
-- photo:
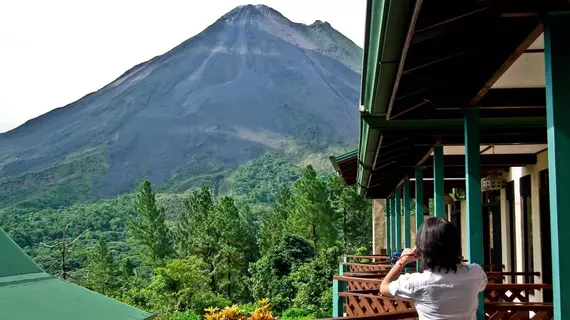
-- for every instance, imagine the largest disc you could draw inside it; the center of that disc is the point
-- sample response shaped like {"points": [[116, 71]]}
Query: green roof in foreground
{"points": [[14, 261], [26, 293]]}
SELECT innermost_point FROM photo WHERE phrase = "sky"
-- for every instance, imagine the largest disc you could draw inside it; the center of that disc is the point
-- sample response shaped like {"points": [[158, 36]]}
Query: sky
{"points": [[54, 52]]}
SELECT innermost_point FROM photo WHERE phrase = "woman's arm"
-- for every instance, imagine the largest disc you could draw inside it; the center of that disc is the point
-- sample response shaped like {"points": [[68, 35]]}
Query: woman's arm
{"points": [[408, 256], [391, 276]]}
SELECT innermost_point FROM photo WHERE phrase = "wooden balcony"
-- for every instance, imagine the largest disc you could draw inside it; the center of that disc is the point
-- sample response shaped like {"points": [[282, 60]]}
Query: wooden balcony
{"points": [[360, 297]]}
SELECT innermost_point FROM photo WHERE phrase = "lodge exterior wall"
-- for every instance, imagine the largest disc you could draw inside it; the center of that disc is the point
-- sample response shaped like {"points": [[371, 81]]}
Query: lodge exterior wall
{"points": [[514, 175], [378, 226]]}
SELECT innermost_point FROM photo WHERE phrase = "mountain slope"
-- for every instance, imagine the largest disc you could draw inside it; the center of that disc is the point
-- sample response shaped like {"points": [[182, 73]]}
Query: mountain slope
{"points": [[251, 82]]}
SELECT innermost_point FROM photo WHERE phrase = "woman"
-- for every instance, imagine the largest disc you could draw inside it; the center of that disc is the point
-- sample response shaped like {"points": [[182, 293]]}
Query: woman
{"points": [[446, 289]]}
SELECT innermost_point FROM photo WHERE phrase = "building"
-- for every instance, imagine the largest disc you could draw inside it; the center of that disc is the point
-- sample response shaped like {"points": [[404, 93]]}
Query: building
{"points": [[467, 103], [28, 293]]}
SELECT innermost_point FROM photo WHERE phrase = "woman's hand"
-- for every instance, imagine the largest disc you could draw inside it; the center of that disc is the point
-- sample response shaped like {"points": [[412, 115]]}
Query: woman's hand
{"points": [[409, 256]]}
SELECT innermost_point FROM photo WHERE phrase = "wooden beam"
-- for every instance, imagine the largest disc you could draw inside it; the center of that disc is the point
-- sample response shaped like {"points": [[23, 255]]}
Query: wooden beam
{"points": [[402, 61], [512, 97], [421, 104], [514, 56], [433, 62], [489, 160], [450, 20]]}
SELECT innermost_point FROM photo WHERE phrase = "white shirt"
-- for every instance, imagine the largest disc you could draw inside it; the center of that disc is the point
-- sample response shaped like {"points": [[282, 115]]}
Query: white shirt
{"points": [[440, 295]]}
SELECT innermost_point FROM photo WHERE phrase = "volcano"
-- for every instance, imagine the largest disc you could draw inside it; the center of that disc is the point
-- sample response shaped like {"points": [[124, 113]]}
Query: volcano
{"points": [[252, 82]]}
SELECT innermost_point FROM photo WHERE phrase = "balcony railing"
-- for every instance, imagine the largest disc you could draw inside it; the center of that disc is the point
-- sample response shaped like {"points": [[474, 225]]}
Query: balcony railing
{"points": [[358, 295]]}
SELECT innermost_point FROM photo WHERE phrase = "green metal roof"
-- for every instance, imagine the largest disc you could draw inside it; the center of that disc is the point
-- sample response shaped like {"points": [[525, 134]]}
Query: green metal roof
{"points": [[28, 293], [42, 296], [14, 260], [385, 39], [337, 159], [346, 166]]}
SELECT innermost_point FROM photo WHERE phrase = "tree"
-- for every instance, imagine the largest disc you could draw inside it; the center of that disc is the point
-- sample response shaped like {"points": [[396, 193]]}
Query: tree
{"points": [[223, 236], [229, 259], [148, 226], [313, 281], [355, 220], [236, 247], [270, 274], [312, 215], [273, 221], [64, 246], [100, 268], [182, 285], [195, 232]]}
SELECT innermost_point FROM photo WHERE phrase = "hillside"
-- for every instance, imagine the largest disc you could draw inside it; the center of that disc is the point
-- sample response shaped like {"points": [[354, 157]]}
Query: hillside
{"points": [[250, 83]]}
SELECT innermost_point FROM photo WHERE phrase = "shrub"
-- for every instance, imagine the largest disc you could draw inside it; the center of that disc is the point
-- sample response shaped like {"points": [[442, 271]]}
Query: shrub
{"points": [[227, 313], [261, 312], [211, 300], [294, 314], [248, 308], [186, 315]]}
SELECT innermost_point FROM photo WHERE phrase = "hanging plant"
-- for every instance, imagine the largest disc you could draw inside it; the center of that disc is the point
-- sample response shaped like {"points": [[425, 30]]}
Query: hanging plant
{"points": [[457, 194]]}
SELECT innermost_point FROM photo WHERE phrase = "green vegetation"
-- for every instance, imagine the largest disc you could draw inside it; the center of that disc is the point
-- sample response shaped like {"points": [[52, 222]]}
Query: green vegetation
{"points": [[276, 232], [256, 181]]}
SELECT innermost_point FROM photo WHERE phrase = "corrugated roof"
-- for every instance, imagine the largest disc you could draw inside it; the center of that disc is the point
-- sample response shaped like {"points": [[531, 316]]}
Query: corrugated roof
{"points": [[28, 293]]}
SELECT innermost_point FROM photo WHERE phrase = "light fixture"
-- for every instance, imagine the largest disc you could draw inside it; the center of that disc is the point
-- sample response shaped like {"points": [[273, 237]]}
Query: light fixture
{"points": [[493, 181]]}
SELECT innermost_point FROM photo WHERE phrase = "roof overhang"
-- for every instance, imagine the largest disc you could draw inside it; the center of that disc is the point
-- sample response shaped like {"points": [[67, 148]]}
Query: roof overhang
{"points": [[346, 166], [426, 61]]}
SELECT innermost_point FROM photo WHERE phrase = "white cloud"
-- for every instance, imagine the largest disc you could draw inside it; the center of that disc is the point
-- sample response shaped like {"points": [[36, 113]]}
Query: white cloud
{"points": [[54, 52]]}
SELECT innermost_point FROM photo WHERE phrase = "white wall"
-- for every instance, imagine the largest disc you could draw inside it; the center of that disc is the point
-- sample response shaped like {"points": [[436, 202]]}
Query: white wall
{"points": [[514, 175], [463, 218]]}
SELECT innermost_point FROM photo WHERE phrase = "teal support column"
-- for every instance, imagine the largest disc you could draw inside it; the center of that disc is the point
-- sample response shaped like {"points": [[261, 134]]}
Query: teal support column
{"points": [[388, 227], [473, 193], [398, 218], [407, 213], [419, 197], [338, 287], [557, 63], [419, 203], [392, 225], [438, 181], [337, 303]]}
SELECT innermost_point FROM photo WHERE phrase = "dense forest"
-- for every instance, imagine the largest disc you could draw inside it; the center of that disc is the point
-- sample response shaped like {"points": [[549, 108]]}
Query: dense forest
{"points": [[274, 231]]}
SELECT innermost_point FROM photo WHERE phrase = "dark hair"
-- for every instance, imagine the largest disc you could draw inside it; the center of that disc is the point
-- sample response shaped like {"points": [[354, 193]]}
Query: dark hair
{"points": [[438, 243]]}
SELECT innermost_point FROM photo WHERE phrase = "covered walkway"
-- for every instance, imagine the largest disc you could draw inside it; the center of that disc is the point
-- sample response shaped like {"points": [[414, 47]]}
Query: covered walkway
{"points": [[467, 103]]}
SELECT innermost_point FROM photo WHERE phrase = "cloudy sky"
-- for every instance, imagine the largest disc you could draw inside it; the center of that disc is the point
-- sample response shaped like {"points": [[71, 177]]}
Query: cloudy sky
{"points": [[55, 52]]}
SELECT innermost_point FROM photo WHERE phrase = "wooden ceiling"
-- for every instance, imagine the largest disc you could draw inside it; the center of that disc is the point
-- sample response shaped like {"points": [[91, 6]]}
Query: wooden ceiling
{"points": [[454, 53]]}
